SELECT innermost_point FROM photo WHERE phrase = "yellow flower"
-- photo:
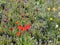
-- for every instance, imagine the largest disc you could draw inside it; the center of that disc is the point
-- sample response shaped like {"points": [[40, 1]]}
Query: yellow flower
{"points": [[51, 18], [54, 9], [48, 9]]}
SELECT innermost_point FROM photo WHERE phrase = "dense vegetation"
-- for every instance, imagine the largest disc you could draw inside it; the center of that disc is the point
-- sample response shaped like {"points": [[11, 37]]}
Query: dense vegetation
{"points": [[29, 22]]}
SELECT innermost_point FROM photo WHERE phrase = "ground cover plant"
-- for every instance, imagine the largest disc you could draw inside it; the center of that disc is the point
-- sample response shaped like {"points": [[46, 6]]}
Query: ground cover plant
{"points": [[29, 22]]}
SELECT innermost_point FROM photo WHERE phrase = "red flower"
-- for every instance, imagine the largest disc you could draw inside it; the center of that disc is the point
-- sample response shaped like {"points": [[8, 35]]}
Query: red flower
{"points": [[23, 29], [19, 27], [27, 26], [16, 22], [11, 28], [18, 34]]}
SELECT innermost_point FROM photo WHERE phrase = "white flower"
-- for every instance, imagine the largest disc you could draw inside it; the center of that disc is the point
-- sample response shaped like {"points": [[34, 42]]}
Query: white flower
{"points": [[57, 26], [50, 41]]}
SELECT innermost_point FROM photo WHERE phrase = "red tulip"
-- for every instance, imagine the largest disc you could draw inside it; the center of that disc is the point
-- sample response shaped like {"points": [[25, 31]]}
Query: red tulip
{"points": [[19, 27], [27, 26], [23, 29], [11, 28], [18, 34]]}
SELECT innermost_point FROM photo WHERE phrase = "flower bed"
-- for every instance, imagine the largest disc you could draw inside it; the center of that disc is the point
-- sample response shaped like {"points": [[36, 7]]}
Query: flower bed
{"points": [[29, 22]]}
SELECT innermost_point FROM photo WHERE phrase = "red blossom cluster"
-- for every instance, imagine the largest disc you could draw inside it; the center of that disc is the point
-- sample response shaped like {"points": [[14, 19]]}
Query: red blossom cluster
{"points": [[26, 27], [21, 28]]}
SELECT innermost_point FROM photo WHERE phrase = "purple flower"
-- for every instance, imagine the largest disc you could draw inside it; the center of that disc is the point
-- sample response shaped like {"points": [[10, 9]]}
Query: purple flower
{"points": [[5, 20]]}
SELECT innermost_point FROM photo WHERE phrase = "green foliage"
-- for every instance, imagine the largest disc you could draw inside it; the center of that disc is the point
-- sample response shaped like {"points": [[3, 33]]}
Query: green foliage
{"points": [[42, 15]]}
